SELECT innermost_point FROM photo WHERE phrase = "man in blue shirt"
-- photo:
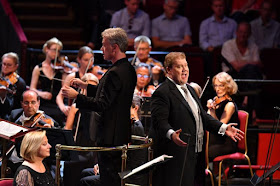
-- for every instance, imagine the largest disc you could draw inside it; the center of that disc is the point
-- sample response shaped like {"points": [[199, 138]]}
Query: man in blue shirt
{"points": [[134, 21], [265, 30], [170, 29], [217, 29]]}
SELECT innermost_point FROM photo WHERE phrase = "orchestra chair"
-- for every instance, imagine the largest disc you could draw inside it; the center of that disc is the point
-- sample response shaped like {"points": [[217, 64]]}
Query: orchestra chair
{"points": [[207, 169], [241, 153], [6, 181]]}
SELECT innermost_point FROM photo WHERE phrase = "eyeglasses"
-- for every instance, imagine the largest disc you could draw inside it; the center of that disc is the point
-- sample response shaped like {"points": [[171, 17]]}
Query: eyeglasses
{"points": [[220, 86], [26, 103], [141, 75]]}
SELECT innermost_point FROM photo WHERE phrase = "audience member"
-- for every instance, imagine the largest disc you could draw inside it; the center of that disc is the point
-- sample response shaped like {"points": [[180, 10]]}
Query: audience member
{"points": [[243, 60], [265, 30], [170, 29], [224, 109], [143, 72], [176, 109], [84, 57], [134, 21], [12, 85], [34, 149], [241, 53], [217, 29], [45, 80]]}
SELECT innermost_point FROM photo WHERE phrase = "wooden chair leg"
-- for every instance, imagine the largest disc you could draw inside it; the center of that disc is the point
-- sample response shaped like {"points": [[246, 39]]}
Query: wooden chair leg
{"points": [[220, 173]]}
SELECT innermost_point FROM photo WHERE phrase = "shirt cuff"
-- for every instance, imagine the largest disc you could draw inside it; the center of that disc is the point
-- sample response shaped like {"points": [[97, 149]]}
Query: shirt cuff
{"points": [[223, 129], [169, 133]]}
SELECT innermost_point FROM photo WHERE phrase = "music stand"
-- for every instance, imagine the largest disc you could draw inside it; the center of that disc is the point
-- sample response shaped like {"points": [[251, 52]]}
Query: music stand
{"points": [[256, 180]]}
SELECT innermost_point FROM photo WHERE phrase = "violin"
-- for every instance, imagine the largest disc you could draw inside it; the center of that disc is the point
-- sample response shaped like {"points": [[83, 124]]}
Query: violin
{"points": [[64, 65], [218, 100], [9, 82], [39, 120]]}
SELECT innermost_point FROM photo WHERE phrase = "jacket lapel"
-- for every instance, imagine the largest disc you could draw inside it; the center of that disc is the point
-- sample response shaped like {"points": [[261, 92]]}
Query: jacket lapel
{"points": [[174, 90]]}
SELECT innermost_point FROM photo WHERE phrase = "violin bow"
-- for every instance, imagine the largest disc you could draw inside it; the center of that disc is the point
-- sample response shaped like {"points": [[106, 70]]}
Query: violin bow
{"points": [[55, 61], [207, 81], [135, 55], [79, 115]]}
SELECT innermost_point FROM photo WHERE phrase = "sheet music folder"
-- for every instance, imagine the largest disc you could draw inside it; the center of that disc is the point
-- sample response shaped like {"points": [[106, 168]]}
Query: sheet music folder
{"points": [[10, 131], [161, 159]]}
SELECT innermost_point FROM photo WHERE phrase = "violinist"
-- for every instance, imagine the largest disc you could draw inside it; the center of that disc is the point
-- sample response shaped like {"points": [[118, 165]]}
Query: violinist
{"points": [[30, 112], [143, 72], [26, 116], [85, 56], [224, 109], [44, 80], [81, 117], [11, 84]]}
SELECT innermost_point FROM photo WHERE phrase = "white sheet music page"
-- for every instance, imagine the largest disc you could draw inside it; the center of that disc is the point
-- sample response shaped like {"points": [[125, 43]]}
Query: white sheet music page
{"points": [[9, 130]]}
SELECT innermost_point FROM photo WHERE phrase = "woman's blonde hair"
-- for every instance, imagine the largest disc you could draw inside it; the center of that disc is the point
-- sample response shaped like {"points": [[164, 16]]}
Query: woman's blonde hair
{"points": [[31, 144], [13, 56], [227, 81], [50, 42]]}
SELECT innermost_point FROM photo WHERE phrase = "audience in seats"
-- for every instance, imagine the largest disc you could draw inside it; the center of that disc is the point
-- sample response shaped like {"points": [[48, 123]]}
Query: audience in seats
{"points": [[34, 149], [133, 20], [143, 72], [265, 30], [85, 59], [242, 61], [217, 29], [245, 10], [47, 81], [11, 84], [170, 29], [224, 109]]}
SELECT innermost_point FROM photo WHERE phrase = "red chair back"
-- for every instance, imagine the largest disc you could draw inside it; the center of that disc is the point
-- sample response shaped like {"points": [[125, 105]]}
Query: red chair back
{"points": [[243, 121], [6, 182]]}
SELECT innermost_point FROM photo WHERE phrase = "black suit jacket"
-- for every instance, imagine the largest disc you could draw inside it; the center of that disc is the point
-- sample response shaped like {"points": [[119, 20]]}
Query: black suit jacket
{"points": [[112, 99], [171, 111]]}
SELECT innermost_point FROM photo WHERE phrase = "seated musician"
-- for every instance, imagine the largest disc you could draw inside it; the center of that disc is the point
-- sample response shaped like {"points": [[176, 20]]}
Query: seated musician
{"points": [[47, 80], [11, 84], [30, 116], [224, 109], [143, 72], [30, 113], [82, 117], [85, 56]]}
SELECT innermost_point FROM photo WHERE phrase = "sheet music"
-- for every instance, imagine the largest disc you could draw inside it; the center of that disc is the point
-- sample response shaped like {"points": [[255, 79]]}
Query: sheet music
{"points": [[148, 164], [9, 130]]}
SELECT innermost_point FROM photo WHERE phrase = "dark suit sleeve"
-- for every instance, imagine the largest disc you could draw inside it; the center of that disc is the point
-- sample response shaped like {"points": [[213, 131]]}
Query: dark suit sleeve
{"points": [[108, 94], [160, 112], [91, 90]]}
